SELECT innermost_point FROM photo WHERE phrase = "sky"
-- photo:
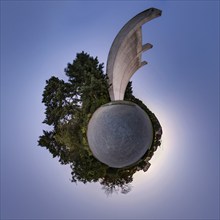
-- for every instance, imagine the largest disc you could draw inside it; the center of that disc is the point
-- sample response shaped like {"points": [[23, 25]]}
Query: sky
{"points": [[180, 85]]}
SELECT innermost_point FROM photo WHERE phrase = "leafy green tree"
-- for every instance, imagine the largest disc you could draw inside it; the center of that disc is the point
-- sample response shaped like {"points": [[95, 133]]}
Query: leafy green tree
{"points": [[69, 106]]}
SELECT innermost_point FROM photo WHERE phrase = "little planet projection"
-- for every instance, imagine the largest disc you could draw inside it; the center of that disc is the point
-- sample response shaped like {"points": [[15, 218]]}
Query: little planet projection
{"points": [[119, 133]]}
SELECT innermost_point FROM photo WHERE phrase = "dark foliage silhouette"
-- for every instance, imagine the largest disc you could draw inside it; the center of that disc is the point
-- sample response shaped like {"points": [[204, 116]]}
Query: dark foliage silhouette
{"points": [[69, 106]]}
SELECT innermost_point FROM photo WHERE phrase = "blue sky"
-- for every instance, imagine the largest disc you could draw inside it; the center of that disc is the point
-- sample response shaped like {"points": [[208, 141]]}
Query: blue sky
{"points": [[180, 85]]}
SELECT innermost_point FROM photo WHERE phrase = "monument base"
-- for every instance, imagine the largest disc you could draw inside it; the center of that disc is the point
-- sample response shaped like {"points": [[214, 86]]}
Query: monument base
{"points": [[119, 133]]}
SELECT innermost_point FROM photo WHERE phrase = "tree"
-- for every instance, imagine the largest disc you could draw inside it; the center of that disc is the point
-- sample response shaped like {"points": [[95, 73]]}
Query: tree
{"points": [[69, 106]]}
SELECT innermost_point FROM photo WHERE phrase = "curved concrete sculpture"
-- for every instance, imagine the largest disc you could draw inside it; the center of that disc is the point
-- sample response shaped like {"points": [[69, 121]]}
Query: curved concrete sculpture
{"points": [[119, 133], [124, 57]]}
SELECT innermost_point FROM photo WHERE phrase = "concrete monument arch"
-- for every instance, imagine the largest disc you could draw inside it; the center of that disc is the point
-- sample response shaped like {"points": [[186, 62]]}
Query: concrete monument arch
{"points": [[124, 57]]}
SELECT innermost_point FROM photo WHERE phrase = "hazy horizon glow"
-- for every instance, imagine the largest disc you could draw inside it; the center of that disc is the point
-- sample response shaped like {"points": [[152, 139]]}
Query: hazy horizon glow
{"points": [[180, 85]]}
